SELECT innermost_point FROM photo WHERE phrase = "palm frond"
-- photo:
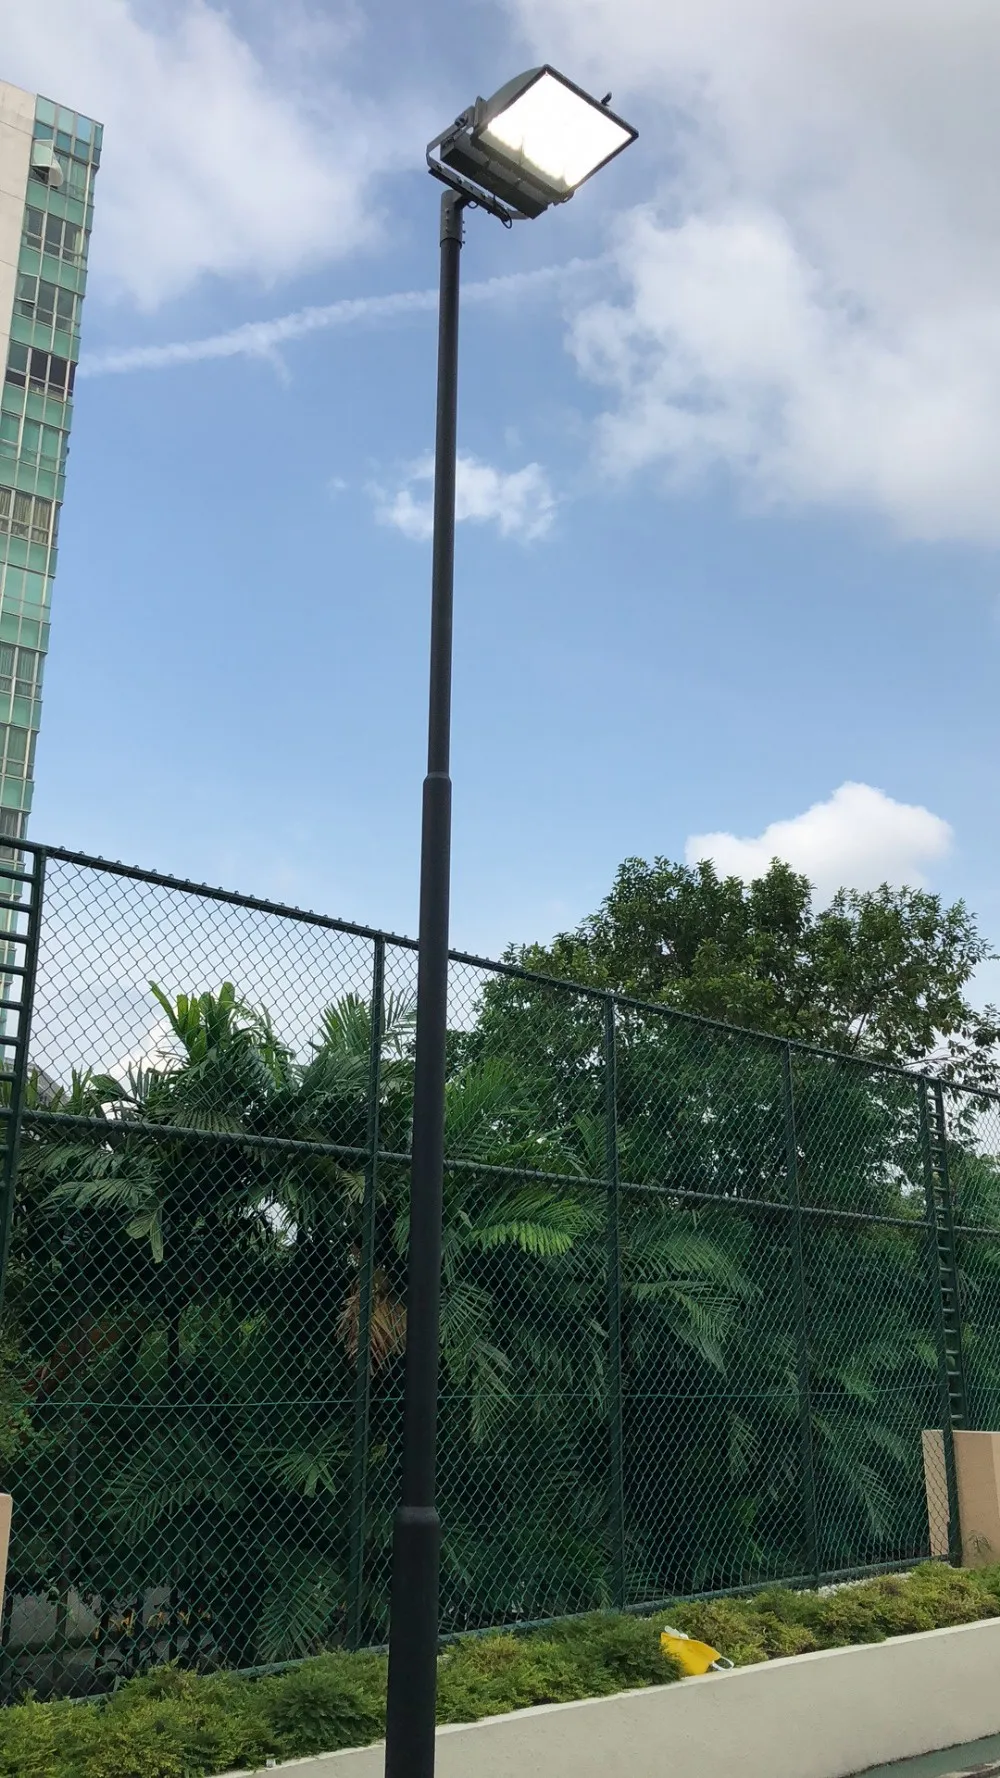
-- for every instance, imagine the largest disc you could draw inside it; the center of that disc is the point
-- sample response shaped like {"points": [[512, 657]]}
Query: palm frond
{"points": [[476, 1365], [300, 1607], [482, 1103], [310, 1469], [176, 1466], [537, 1219]]}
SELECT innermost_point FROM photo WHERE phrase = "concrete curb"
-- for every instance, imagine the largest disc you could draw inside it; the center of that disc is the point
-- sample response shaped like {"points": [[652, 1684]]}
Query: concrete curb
{"points": [[821, 1715]]}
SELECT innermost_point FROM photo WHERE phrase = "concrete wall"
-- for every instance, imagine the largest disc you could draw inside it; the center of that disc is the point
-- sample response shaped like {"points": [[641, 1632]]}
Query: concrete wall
{"points": [[977, 1476], [977, 1472], [17, 122], [5, 1504], [814, 1716]]}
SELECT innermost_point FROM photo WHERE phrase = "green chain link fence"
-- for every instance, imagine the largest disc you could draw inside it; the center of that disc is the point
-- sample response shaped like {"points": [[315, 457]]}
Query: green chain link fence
{"points": [[703, 1290]]}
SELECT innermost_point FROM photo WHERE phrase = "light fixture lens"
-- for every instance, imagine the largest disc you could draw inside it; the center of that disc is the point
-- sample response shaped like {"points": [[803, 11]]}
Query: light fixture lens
{"points": [[552, 129]]}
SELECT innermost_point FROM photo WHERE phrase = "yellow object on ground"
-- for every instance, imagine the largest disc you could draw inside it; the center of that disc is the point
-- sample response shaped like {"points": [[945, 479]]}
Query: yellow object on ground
{"points": [[693, 1657]]}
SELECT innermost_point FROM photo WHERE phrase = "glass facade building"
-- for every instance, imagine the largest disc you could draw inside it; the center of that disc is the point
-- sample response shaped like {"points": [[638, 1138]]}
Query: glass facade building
{"points": [[49, 158]]}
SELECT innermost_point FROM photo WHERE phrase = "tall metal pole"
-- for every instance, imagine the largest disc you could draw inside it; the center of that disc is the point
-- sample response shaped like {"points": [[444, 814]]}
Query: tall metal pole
{"points": [[616, 1388], [413, 1625], [366, 1292], [813, 1558], [23, 1004]]}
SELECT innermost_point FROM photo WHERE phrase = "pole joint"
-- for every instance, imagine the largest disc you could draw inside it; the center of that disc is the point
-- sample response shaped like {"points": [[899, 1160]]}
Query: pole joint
{"points": [[453, 205]]}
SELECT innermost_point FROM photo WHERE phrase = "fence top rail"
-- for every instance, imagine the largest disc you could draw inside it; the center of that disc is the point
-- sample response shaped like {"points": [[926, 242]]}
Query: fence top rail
{"points": [[492, 965]]}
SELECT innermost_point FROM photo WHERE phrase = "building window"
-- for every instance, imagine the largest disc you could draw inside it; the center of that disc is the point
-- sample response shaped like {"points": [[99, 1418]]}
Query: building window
{"points": [[25, 593], [53, 235], [11, 826], [43, 371], [47, 303], [32, 442], [72, 134], [77, 179], [28, 516], [17, 758], [20, 671]]}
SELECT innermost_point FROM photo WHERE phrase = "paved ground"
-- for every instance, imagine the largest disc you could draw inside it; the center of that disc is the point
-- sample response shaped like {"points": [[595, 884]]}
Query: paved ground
{"points": [[978, 1758]]}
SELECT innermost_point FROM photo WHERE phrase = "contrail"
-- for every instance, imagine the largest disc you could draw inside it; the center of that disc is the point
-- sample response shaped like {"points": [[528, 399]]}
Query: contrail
{"points": [[258, 339]]}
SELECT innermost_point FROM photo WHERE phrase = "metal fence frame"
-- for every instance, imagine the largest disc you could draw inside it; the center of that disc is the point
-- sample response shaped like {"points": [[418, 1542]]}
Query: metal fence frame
{"points": [[23, 912]]}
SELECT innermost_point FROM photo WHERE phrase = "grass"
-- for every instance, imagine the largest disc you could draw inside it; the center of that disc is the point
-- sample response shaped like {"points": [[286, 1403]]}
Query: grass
{"points": [[173, 1724]]}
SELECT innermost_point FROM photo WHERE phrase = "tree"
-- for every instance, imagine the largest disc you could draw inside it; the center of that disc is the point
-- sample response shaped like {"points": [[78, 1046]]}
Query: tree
{"points": [[712, 1460], [881, 973]]}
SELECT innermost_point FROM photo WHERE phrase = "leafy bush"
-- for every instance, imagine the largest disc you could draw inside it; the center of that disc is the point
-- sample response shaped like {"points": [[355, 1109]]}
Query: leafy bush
{"points": [[497, 1674], [780, 1622], [733, 1627], [28, 1737], [590, 1658], [168, 1725], [619, 1653], [335, 1701], [173, 1724]]}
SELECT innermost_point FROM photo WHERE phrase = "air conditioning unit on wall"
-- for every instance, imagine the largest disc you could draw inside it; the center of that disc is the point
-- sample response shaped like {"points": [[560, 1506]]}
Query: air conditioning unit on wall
{"points": [[44, 164]]}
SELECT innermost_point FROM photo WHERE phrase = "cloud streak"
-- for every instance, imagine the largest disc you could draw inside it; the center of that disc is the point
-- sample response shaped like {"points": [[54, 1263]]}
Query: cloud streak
{"points": [[262, 339]]}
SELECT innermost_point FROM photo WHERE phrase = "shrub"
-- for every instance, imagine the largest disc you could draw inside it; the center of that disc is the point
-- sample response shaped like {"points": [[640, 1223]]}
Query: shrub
{"points": [[931, 1598], [28, 1742], [779, 1622], [590, 1658], [730, 1625], [490, 1675], [335, 1701], [173, 1724], [624, 1651], [168, 1725], [162, 1738], [956, 1596]]}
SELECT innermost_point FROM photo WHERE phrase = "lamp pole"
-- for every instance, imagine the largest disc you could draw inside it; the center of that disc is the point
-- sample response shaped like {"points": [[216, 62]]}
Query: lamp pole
{"points": [[413, 1629], [514, 155]]}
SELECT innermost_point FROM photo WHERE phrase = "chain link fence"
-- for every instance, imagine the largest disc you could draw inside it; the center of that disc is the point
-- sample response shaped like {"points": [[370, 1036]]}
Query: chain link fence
{"points": [[701, 1298]]}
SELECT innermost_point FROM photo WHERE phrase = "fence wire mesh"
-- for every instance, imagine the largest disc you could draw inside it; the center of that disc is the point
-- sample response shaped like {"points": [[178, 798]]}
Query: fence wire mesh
{"points": [[701, 1290]]}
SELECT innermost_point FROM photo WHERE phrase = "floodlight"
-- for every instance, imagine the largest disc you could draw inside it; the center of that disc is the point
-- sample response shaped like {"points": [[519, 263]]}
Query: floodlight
{"points": [[529, 146]]}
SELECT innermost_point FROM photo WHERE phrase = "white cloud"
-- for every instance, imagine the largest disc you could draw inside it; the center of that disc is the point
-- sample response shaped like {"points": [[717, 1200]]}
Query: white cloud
{"points": [[813, 300], [264, 339], [157, 1048], [858, 839], [519, 502], [217, 158]]}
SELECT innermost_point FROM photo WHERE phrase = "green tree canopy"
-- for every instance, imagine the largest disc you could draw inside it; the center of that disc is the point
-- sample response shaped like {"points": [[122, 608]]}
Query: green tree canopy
{"points": [[881, 972]]}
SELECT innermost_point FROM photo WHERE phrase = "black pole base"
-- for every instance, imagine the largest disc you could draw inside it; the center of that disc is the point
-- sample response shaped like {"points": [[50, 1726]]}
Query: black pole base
{"points": [[413, 1638]]}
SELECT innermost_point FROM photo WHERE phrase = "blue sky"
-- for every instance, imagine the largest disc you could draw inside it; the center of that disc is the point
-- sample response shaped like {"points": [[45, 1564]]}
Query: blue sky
{"points": [[731, 430]]}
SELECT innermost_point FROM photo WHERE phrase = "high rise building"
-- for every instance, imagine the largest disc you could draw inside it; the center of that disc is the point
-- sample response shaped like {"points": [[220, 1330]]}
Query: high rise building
{"points": [[48, 161]]}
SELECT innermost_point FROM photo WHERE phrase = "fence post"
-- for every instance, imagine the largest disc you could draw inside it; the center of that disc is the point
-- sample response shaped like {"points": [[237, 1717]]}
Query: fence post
{"points": [[366, 1284], [944, 1288], [614, 1276], [807, 1455], [12, 974]]}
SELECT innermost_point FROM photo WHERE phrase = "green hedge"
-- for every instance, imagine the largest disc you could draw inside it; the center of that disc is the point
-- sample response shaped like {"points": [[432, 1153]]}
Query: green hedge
{"points": [[176, 1725]]}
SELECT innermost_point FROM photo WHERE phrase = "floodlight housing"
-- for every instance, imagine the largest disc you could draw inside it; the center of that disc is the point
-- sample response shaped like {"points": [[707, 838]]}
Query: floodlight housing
{"points": [[532, 145]]}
